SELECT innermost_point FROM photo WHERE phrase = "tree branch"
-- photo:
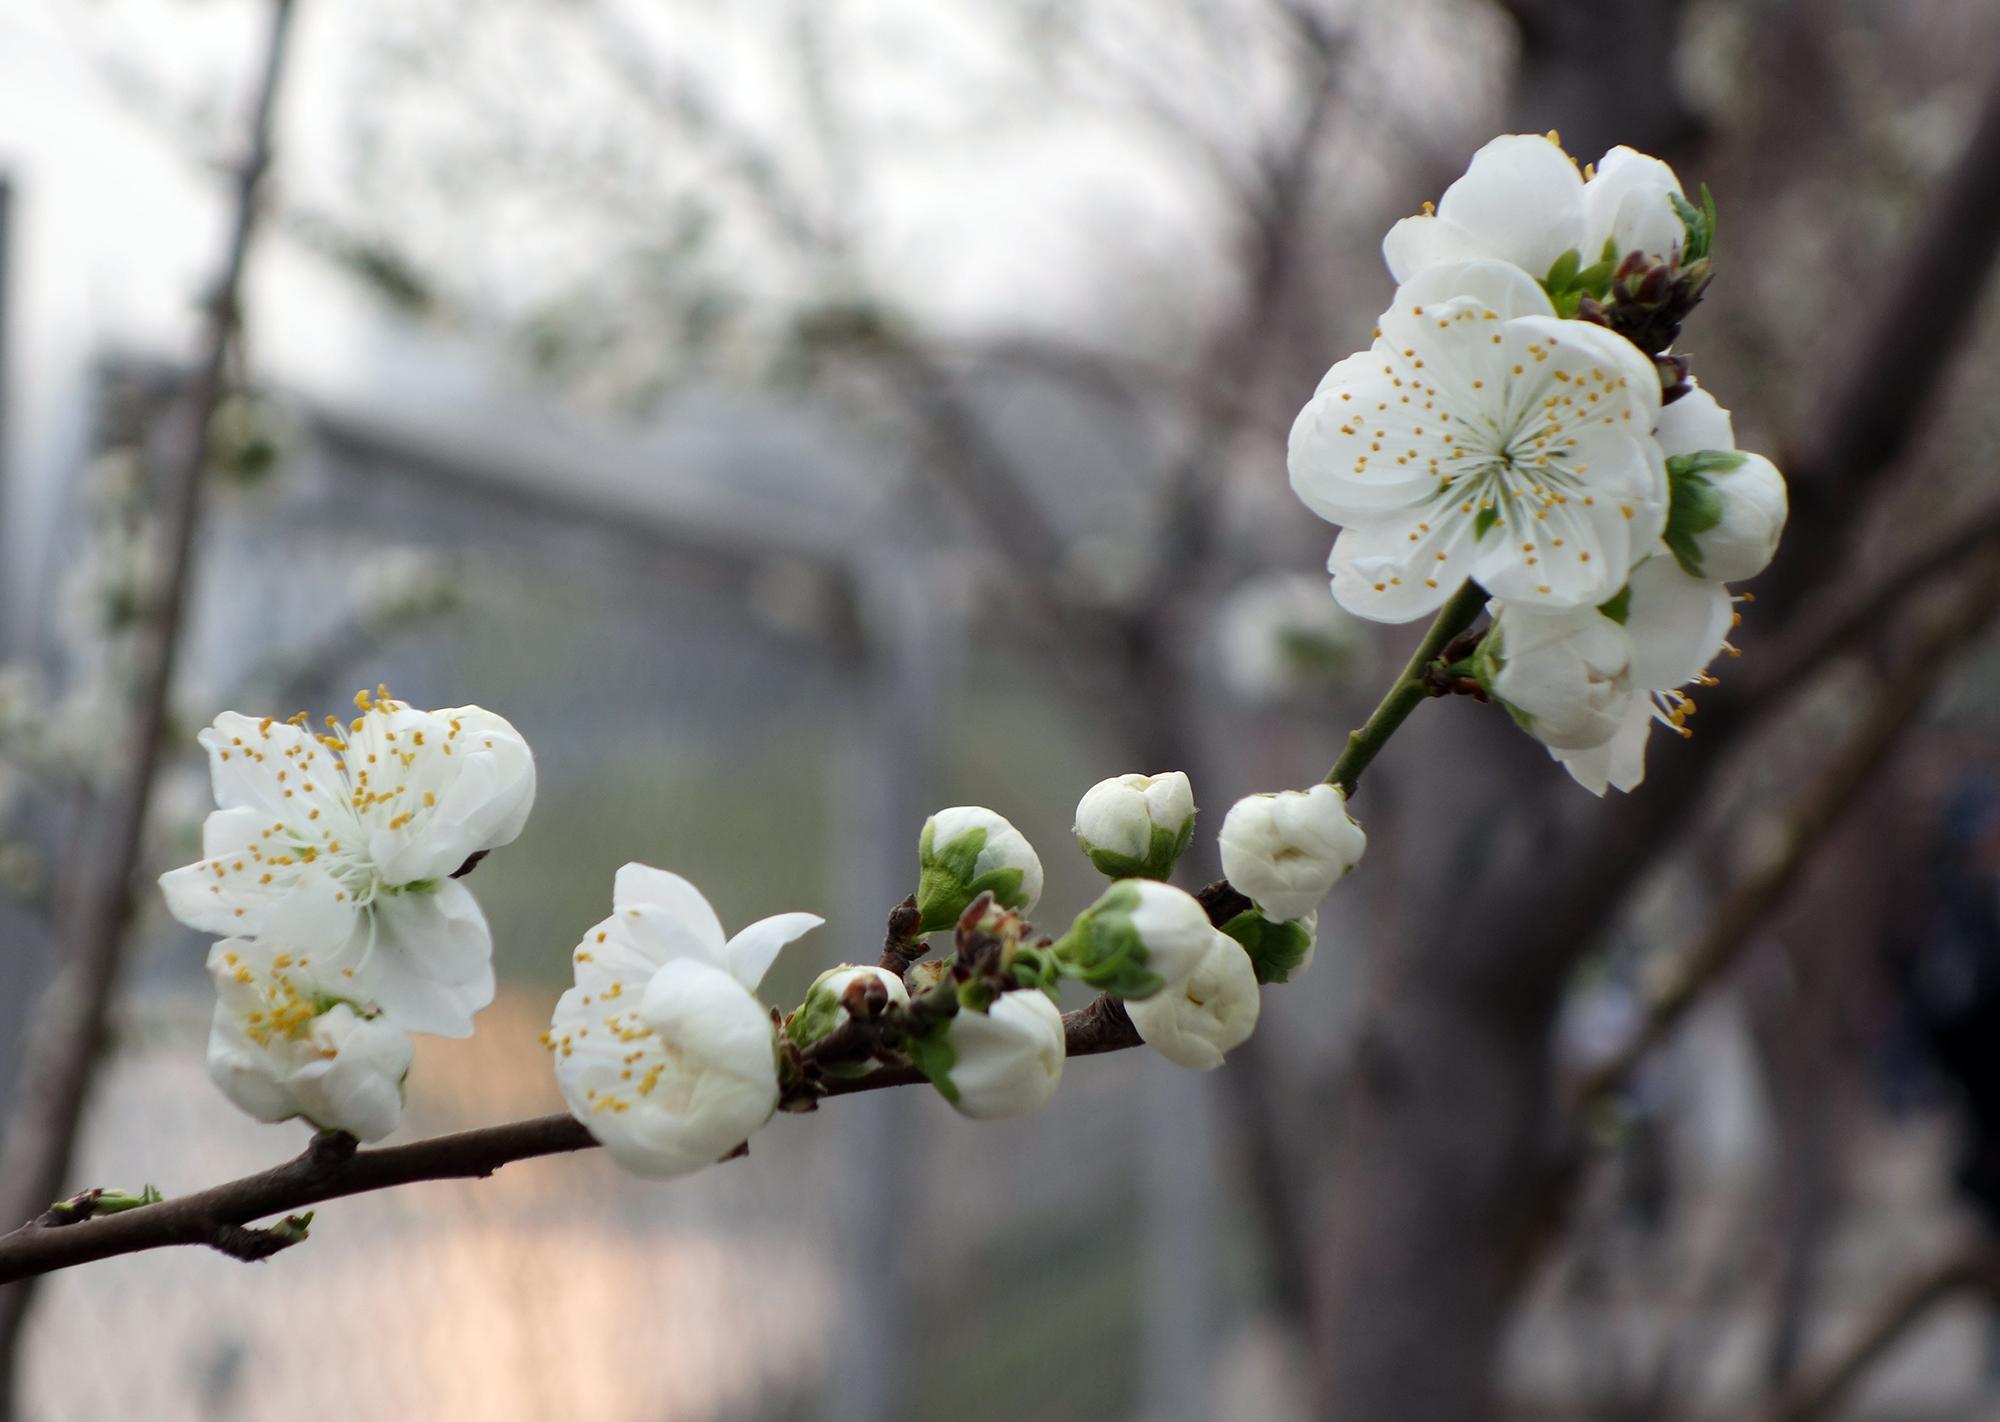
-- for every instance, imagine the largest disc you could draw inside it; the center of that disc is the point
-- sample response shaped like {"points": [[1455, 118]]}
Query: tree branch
{"points": [[41, 1136], [1881, 599], [1410, 689], [1977, 1270], [331, 1169], [1811, 819]]}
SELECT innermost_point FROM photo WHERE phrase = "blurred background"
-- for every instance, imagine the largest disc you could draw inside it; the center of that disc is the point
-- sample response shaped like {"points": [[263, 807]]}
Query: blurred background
{"points": [[802, 415]]}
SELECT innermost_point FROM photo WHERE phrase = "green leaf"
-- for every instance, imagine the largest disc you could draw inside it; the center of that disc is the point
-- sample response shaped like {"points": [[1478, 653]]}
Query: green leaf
{"points": [[1275, 949], [1485, 520], [1568, 303], [932, 1055], [1620, 606]]}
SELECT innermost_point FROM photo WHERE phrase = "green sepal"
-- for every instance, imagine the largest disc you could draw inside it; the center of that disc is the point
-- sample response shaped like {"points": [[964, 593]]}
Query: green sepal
{"points": [[1484, 520], [932, 1055], [1275, 949], [816, 1017], [1163, 852], [1619, 609], [1562, 272], [1698, 222], [1102, 948], [945, 882], [1695, 505], [1596, 278]]}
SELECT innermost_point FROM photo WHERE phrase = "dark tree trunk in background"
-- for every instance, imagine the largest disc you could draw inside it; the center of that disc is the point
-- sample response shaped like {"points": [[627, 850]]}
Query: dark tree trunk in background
{"points": [[1448, 1163], [1600, 72]]}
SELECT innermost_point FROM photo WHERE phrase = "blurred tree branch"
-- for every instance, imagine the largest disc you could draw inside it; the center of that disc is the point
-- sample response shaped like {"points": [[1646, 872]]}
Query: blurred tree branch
{"points": [[1909, 1303], [41, 1135], [1683, 977]]}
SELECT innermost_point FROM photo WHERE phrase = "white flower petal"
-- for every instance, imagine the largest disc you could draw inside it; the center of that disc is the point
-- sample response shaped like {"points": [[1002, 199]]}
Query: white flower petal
{"points": [[441, 786], [1694, 423], [669, 1097], [1677, 623], [1626, 200], [1214, 1011], [276, 768], [1008, 1060], [425, 956], [1523, 198], [752, 951], [1416, 244], [1400, 571], [669, 915]]}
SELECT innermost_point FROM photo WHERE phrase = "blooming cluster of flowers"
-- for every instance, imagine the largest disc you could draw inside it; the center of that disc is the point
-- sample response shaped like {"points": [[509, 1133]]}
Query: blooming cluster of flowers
{"points": [[330, 866], [334, 861], [1524, 419]]}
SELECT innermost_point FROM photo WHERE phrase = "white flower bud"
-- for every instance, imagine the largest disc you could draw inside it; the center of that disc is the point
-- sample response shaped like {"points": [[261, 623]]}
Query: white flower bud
{"points": [[822, 1012], [1287, 850], [1139, 937], [1754, 506], [968, 850], [1214, 1011], [282, 1046], [1136, 826], [1005, 1061], [1564, 673]]}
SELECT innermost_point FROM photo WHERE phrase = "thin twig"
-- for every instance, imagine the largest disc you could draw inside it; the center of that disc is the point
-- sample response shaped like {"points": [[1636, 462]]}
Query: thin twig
{"points": [[322, 1173], [1883, 598], [1811, 819], [41, 1137], [1977, 1270], [1410, 688]]}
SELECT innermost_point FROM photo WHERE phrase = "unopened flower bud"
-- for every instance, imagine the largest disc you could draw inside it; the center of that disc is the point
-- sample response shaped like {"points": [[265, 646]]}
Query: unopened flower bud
{"points": [[966, 851], [1196, 1022], [1136, 826], [1004, 1061], [836, 994], [1138, 938], [1287, 850]]}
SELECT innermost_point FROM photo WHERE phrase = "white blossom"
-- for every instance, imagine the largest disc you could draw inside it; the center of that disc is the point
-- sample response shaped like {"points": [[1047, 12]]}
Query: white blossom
{"points": [[1482, 437], [1007, 1060], [1677, 625], [1523, 201], [283, 1044], [968, 850], [1286, 850], [341, 845], [1564, 673], [662, 1049], [1730, 505], [1212, 1012], [1136, 826]]}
